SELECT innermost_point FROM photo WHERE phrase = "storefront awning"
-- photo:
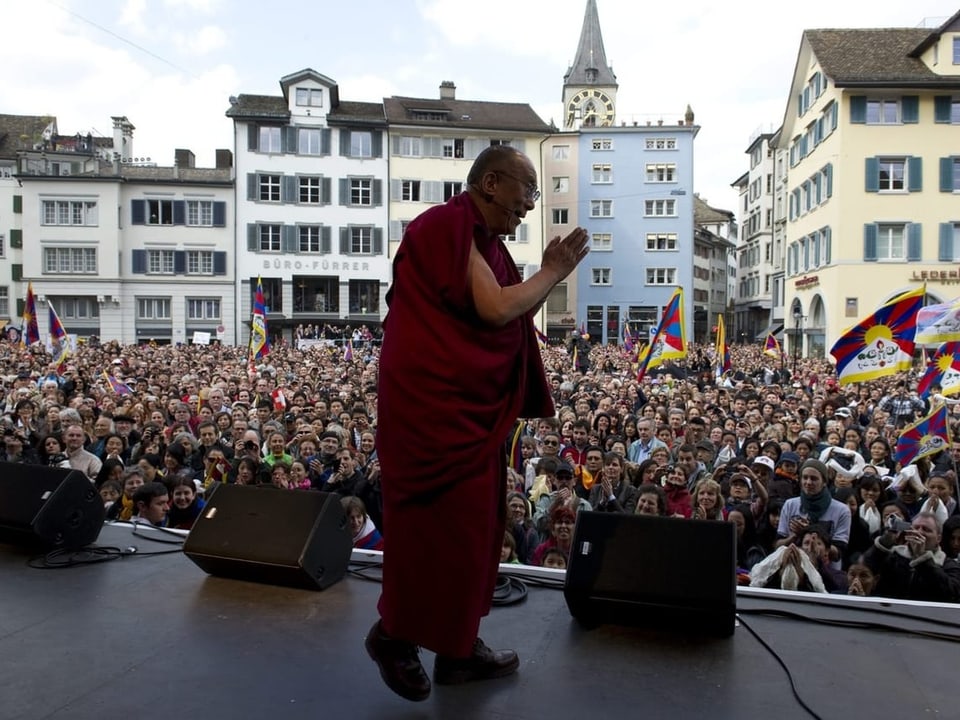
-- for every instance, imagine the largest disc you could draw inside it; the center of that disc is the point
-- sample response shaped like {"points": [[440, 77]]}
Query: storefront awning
{"points": [[775, 329]]}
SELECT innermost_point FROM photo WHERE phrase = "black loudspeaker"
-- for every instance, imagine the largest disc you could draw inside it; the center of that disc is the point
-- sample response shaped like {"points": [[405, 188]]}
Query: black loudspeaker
{"points": [[666, 573], [268, 535], [48, 506]]}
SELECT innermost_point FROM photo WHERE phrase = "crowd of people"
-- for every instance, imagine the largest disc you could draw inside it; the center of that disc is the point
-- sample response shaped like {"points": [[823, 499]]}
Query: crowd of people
{"points": [[803, 467]]}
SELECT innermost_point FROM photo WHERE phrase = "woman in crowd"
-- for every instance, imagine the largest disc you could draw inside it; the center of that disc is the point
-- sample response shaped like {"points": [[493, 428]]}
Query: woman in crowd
{"points": [[707, 500], [123, 508], [185, 504], [365, 534], [521, 526], [560, 528], [651, 500]]}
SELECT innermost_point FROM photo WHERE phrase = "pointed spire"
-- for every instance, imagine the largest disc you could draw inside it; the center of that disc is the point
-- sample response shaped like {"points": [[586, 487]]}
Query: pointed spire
{"points": [[590, 63]]}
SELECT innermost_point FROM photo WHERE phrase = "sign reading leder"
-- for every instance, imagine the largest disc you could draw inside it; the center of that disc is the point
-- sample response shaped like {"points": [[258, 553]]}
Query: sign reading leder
{"points": [[950, 277]]}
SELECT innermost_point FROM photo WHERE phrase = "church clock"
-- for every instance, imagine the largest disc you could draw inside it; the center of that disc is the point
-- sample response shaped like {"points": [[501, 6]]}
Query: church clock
{"points": [[590, 107]]}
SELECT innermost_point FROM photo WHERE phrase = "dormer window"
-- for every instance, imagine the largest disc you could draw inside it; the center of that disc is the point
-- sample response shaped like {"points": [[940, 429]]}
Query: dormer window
{"points": [[309, 97]]}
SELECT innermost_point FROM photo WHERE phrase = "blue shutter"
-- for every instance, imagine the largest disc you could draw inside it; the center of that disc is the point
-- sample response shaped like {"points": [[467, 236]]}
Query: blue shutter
{"points": [[139, 258], [806, 252], [138, 212], [325, 240], [376, 143], [290, 144], [377, 241], [219, 262], [253, 137], [827, 246], [872, 175], [800, 108], [858, 109], [869, 242], [910, 108], [945, 252], [915, 173], [179, 262], [288, 189], [914, 242], [344, 191], [325, 141], [946, 174], [344, 241], [253, 237], [345, 143], [941, 108], [289, 241], [179, 212], [252, 186], [834, 112], [829, 180], [219, 214], [377, 193], [818, 185]]}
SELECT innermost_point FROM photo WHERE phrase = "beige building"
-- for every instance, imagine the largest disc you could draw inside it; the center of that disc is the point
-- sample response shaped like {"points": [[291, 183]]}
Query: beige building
{"points": [[872, 131]]}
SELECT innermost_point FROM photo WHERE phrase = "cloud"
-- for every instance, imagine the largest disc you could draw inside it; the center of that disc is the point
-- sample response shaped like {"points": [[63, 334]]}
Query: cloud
{"points": [[202, 42], [203, 7], [132, 16]]}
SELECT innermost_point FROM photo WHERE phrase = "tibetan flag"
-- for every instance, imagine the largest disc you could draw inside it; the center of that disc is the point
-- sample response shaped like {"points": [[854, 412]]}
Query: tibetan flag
{"points": [[118, 387], [627, 337], [259, 342], [516, 457], [882, 343], [59, 341], [348, 351], [771, 347], [29, 330], [668, 341], [939, 323], [723, 350], [574, 358], [541, 337], [943, 370], [925, 437]]}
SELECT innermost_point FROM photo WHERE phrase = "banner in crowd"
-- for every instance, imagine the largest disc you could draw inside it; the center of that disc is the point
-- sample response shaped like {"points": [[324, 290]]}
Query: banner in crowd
{"points": [[29, 330], [927, 436], [118, 387], [771, 347], [60, 346], [722, 349], [668, 341], [943, 370], [939, 323], [882, 343], [259, 340]]}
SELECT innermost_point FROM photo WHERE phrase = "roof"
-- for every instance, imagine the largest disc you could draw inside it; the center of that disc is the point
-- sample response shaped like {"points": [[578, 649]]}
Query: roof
{"points": [[880, 56], [357, 112], [260, 107], [590, 53], [169, 174], [464, 114], [703, 214], [20, 132]]}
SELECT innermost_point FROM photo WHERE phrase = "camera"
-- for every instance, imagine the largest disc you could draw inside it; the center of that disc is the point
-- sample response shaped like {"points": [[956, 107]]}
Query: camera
{"points": [[249, 445], [896, 524]]}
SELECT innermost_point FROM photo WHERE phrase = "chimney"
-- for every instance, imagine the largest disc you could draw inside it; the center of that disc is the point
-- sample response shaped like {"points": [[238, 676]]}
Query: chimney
{"points": [[224, 159], [184, 158], [448, 91], [122, 137]]}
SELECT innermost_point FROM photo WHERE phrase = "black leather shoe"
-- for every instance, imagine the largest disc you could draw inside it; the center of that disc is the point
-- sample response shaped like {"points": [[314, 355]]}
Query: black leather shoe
{"points": [[484, 664], [399, 664]]}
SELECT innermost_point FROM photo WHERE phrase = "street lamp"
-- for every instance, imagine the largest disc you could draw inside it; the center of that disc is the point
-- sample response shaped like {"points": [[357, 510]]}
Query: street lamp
{"points": [[797, 328]]}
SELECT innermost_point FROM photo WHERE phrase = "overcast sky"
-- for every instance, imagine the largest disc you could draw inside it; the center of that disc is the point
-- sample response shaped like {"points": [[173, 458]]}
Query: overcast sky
{"points": [[171, 65]]}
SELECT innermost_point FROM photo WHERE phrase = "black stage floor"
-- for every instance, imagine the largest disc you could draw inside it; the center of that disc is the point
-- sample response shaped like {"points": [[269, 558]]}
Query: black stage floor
{"points": [[154, 637]]}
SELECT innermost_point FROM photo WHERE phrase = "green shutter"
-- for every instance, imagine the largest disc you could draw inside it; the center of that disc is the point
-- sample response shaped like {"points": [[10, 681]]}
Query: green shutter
{"points": [[914, 174], [910, 109], [870, 242], [16, 272], [251, 186], [17, 204], [946, 174], [872, 175], [914, 242], [376, 143], [325, 190], [21, 306], [344, 191], [325, 141], [325, 240], [945, 250], [344, 241], [377, 193], [377, 241], [289, 239], [858, 109], [941, 108], [16, 239], [253, 239], [253, 137], [345, 143]]}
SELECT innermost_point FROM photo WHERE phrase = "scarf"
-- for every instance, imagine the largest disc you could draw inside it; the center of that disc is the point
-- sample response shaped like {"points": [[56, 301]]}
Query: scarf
{"points": [[815, 506], [126, 508], [368, 527]]}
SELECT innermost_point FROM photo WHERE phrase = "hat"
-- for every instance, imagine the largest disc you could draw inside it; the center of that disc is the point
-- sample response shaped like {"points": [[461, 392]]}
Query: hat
{"points": [[818, 528], [705, 445], [816, 465], [329, 434], [790, 456], [843, 412], [565, 467], [765, 461], [289, 417], [741, 478], [123, 418]]}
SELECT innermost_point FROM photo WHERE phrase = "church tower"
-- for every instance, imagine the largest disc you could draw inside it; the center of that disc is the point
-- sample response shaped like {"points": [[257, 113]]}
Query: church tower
{"points": [[589, 87]]}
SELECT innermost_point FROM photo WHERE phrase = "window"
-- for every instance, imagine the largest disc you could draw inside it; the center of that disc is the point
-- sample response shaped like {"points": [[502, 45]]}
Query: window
{"points": [[561, 184], [661, 276], [601, 242], [361, 144], [409, 146], [892, 173], [557, 299], [203, 309], [271, 139], [153, 308], [450, 189], [662, 172], [364, 296], [269, 238], [5, 301], [452, 147], [3, 245], [410, 190], [661, 144], [160, 262], [560, 216], [660, 208], [956, 50], [603, 173], [361, 240], [883, 112], [308, 141], [308, 238], [76, 308], [600, 276], [561, 152], [309, 190], [601, 208], [159, 212], [601, 144], [269, 188], [661, 241], [361, 192], [199, 262], [890, 242], [71, 261], [309, 97], [200, 213], [69, 212]]}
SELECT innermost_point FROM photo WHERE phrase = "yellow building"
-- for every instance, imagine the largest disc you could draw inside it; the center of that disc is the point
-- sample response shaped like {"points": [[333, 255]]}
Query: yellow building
{"points": [[872, 128]]}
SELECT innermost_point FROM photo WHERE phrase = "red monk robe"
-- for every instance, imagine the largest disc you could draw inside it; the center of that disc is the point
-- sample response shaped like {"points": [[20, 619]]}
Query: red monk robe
{"points": [[450, 388]]}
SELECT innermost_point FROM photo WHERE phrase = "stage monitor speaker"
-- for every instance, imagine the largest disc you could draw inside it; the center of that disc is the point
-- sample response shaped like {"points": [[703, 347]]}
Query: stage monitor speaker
{"points": [[659, 572], [48, 506], [268, 535]]}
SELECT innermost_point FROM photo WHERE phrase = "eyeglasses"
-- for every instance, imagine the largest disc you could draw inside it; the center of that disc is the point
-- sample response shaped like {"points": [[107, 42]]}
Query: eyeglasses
{"points": [[550, 442], [532, 192]]}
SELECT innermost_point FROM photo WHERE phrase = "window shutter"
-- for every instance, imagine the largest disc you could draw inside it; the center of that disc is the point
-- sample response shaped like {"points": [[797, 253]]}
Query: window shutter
{"points": [[325, 240], [941, 108], [834, 112], [139, 258], [344, 241], [16, 272], [288, 239], [827, 248], [179, 212], [219, 262], [872, 175], [910, 108], [431, 191], [829, 179], [473, 147], [377, 193], [219, 214], [344, 184], [945, 253], [290, 144], [179, 262], [395, 145], [377, 241], [818, 188], [915, 173], [869, 242], [858, 109], [253, 137], [432, 147], [396, 191], [792, 213], [522, 233], [17, 204], [325, 190], [395, 226], [946, 174], [806, 252], [288, 189], [252, 193], [914, 242], [21, 306], [325, 141], [16, 238], [376, 143], [253, 238], [138, 212], [520, 145], [345, 143]]}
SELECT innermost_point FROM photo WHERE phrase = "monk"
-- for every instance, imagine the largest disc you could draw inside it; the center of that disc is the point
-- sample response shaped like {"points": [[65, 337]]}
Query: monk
{"points": [[458, 366]]}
